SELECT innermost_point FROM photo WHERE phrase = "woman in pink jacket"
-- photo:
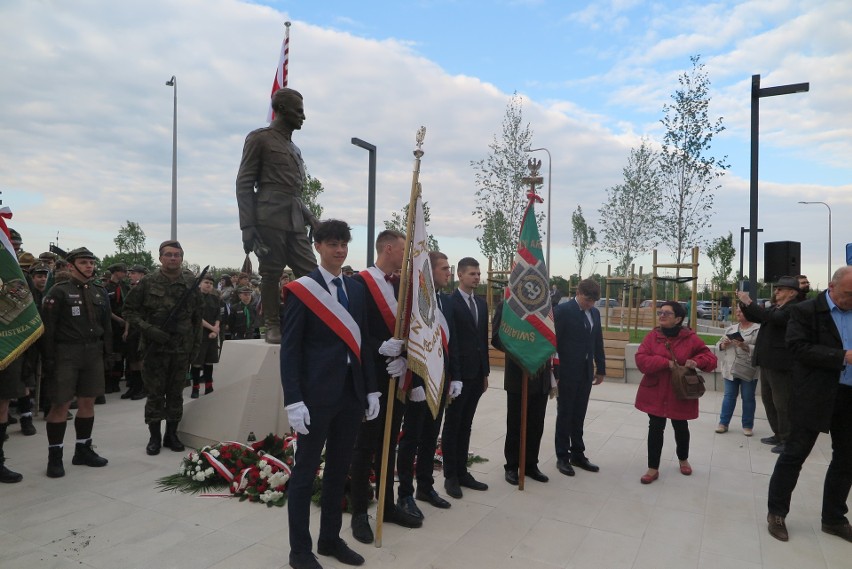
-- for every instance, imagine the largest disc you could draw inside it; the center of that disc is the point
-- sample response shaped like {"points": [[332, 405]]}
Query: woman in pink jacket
{"points": [[655, 395]]}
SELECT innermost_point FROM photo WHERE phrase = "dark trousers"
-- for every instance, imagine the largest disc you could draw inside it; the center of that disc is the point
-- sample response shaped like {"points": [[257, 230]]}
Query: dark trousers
{"points": [[536, 408], [416, 453], [775, 394], [164, 376], [838, 477], [455, 439], [656, 430], [367, 456], [335, 428], [571, 404]]}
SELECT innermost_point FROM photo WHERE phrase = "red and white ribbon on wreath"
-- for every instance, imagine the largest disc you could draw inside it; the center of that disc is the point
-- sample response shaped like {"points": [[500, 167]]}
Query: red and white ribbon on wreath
{"points": [[220, 468]]}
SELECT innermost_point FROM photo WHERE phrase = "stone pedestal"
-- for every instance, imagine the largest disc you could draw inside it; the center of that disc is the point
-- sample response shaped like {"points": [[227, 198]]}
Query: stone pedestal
{"points": [[247, 397]]}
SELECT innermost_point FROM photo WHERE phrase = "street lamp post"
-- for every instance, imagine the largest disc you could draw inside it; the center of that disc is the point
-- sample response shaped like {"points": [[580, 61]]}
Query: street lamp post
{"points": [[743, 231], [549, 178], [173, 83], [756, 94], [829, 237], [371, 196]]}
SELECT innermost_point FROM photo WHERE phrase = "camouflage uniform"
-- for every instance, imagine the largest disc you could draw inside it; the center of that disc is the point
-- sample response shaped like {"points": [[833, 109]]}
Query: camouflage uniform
{"points": [[165, 365]]}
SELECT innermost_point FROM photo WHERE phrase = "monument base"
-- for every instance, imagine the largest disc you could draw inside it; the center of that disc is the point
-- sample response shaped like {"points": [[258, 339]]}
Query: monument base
{"points": [[248, 397]]}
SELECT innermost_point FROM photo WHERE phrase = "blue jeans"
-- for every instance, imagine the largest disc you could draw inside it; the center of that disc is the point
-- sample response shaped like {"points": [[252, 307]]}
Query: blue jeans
{"points": [[729, 401]]}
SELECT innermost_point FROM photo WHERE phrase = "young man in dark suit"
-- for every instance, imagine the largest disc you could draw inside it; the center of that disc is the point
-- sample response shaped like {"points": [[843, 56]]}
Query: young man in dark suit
{"points": [[579, 342], [471, 318], [328, 384]]}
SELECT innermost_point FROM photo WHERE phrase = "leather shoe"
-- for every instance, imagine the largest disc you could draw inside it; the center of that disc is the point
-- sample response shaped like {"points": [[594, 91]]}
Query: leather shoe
{"points": [[361, 528], [394, 515], [406, 505], [451, 485], [779, 448], [773, 440], [840, 530], [432, 497], [468, 481], [777, 527], [304, 561], [648, 478], [512, 477], [583, 462], [340, 551], [564, 468], [536, 474], [685, 468]]}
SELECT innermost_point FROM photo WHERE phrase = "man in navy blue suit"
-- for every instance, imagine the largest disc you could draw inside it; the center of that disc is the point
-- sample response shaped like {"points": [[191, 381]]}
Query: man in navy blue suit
{"points": [[579, 342], [471, 319], [328, 385]]}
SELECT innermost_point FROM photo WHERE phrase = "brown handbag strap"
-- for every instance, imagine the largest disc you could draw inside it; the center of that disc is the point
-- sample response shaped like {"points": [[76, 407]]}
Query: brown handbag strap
{"points": [[669, 348]]}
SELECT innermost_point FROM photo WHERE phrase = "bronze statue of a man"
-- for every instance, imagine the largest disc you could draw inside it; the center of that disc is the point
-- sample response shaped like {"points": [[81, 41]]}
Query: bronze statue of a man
{"points": [[273, 217]]}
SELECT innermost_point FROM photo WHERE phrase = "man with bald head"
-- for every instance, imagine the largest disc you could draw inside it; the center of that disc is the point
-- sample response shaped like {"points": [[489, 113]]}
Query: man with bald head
{"points": [[819, 334], [272, 215]]}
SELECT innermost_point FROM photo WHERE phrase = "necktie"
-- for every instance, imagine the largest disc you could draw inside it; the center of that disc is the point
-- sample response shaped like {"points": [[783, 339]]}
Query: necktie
{"points": [[440, 306], [587, 323], [472, 309], [341, 294]]}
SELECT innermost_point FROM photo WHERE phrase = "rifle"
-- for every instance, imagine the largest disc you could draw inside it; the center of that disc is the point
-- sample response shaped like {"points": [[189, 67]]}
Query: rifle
{"points": [[167, 323]]}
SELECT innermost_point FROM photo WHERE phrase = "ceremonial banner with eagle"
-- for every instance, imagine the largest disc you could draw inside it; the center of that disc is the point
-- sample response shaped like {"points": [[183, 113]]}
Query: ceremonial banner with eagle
{"points": [[425, 348], [527, 330]]}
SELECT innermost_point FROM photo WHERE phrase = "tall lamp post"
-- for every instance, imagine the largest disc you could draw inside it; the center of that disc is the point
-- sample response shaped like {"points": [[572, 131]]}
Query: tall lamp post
{"points": [[743, 231], [549, 178], [173, 83], [829, 237], [756, 94], [371, 197]]}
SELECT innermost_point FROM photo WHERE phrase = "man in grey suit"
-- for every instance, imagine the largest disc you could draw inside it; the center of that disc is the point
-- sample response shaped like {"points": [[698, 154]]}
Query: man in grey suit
{"points": [[579, 343]]}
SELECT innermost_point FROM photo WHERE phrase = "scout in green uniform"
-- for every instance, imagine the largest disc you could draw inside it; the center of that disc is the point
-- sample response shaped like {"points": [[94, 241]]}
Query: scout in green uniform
{"points": [[132, 336], [208, 354]]}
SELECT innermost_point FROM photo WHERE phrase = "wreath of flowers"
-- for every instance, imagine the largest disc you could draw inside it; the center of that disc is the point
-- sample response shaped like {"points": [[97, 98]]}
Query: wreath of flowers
{"points": [[258, 472]]}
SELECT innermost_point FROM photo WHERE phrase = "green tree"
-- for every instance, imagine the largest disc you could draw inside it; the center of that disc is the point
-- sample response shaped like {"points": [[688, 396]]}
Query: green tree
{"points": [[722, 254], [399, 219], [310, 195], [500, 193], [130, 243], [630, 219], [690, 176], [584, 238]]}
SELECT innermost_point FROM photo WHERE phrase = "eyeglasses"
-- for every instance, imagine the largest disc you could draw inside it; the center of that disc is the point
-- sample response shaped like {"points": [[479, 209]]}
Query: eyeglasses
{"points": [[665, 313]]}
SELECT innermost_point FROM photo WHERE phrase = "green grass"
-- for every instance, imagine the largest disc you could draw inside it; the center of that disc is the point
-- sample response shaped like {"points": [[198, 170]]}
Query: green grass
{"points": [[636, 336]]}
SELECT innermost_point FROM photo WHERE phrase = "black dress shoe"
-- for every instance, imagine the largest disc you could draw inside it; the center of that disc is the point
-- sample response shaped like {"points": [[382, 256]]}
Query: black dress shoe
{"points": [[432, 497], [394, 515], [304, 561], [536, 474], [583, 462], [777, 527], [451, 485], [840, 530], [773, 440], [407, 505], [361, 529], [340, 551], [511, 477], [564, 468], [468, 481], [779, 448]]}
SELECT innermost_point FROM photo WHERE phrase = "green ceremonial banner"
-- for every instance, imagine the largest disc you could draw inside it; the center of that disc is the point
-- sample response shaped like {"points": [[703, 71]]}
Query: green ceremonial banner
{"points": [[20, 324], [527, 330]]}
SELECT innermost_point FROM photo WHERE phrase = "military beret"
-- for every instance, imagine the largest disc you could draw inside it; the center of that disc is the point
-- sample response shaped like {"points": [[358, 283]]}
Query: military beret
{"points": [[14, 236], [170, 243], [209, 277], [117, 268], [139, 269], [39, 268], [26, 260], [243, 289], [48, 256], [79, 253]]}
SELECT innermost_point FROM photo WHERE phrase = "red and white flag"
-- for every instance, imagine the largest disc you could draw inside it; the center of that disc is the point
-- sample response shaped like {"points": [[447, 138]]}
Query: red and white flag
{"points": [[281, 71]]}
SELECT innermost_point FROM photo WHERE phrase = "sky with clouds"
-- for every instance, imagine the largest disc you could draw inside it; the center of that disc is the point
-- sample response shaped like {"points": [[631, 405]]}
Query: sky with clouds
{"points": [[86, 117]]}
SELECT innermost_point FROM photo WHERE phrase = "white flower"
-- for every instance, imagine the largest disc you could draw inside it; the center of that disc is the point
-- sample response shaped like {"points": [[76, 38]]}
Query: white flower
{"points": [[197, 467], [209, 472], [200, 477], [214, 453]]}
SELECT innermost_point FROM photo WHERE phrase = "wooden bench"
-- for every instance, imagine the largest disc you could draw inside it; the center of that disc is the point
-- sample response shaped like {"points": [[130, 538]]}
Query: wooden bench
{"points": [[615, 344]]}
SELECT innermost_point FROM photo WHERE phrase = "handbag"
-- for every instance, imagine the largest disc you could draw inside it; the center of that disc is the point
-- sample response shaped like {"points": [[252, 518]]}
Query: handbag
{"points": [[686, 382]]}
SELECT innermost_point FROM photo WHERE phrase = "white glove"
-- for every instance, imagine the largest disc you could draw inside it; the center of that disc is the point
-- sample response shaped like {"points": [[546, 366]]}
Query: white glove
{"points": [[417, 395], [397, 366], [299, 417], [455, 389], [392, 347], [373, 405]]}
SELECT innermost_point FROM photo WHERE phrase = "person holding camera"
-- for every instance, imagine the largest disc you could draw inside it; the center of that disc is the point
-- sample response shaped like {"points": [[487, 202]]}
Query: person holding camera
{"points": [[739, 373]]}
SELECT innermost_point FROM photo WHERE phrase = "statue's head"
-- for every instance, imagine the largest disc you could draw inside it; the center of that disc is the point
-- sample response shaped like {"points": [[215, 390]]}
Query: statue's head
{"points": [[289, 107]]}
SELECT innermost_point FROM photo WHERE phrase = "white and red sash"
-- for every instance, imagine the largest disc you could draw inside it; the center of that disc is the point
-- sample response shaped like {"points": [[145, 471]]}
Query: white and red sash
{"points": [[329, 310], [382, 293]]}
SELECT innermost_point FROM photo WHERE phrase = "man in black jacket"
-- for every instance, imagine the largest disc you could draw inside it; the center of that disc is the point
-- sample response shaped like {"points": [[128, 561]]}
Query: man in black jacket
{"points": [[773, 357], [820, 337]]}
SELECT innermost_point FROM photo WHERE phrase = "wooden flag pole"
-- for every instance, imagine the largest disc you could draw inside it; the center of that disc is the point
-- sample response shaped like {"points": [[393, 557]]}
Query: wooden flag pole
{"points": [[402, 306], [522, 455]]}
